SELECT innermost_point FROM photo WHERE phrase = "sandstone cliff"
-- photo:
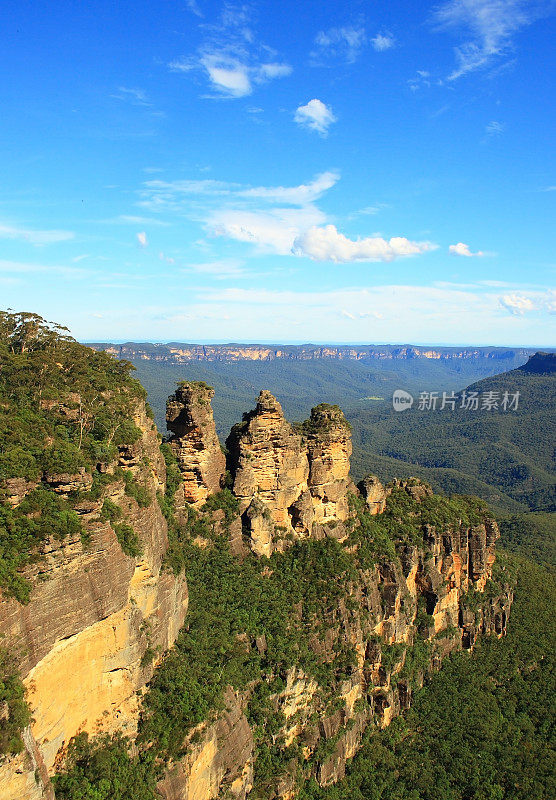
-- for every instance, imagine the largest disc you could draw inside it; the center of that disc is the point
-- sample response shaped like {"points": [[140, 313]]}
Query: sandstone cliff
{"points": [[421, 588], [98, 620], [290, 482], [182, 353]]}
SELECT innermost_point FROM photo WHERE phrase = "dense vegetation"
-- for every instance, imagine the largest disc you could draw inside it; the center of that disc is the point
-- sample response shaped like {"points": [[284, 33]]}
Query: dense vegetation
{"points": [[301, 385], [507, 455], [482, 729], [14, 713], [64, 406], [503, 457], [532, 535], [64, 409]]}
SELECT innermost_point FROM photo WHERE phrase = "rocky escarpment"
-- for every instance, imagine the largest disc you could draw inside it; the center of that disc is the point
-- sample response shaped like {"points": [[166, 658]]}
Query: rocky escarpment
{"points": [[182, 353], [404, 577], [98, 620], [391, 609]]}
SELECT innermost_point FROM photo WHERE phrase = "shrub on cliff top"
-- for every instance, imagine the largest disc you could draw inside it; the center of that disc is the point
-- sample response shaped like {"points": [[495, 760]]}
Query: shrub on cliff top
{"points": [[61, 401], [63, 407], [14, 712]]}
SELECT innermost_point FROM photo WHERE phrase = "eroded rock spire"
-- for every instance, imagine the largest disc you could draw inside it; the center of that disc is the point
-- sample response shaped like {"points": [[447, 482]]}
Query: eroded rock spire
{"points": [[195, 442]]}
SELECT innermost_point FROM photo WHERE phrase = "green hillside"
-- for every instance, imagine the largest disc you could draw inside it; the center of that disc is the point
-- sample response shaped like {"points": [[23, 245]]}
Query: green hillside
{"points": [[511, 453], [358, 385]]}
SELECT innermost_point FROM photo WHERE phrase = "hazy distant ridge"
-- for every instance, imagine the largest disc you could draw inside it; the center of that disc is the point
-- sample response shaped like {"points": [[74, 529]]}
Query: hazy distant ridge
{"points": [[180, 352]]}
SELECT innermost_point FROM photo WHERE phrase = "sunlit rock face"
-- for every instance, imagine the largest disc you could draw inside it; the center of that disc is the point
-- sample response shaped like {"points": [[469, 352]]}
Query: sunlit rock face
{"points": [[195, 442], [270, 469], [93, 613], [329, 451], [374, 494], [224, 755], [290, 482]]}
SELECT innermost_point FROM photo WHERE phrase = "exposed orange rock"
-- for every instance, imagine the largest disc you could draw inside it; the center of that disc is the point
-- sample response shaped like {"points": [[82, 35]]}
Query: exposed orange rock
{"points": [[373, 493], [288, 481], [92, 614]]}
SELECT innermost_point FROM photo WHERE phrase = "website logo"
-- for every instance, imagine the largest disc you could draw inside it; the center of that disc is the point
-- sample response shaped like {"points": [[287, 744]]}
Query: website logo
{"points": [[401, 400]]}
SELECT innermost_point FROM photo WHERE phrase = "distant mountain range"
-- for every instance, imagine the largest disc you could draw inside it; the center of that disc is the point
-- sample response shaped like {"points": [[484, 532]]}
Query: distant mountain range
{"points": [[183, 353]]}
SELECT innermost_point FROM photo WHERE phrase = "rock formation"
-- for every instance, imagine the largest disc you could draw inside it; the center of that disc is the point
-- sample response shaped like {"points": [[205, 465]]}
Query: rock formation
{"points": [[374, 493], [290, 482], [270, 469], [195, 442], [328, 450], [183, 353]]}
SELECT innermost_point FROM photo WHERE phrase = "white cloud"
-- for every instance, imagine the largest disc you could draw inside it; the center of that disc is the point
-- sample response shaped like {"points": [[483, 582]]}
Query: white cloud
{"points": [[19, 267], [135, 96], [194, 8], [461, 249], [231, 76], [385, 313], [494, 128], [383, 41], [220, 269], [422, 80], [327, 244], [142, 239], [275, 229], [227, 75], [273, 71], [550, 302], [345, 42], [133, 219], [316, 115], [517, 304], [168, 195], [490, 25], [37, 238], [279, 219], [230, 58], [295, 195]]}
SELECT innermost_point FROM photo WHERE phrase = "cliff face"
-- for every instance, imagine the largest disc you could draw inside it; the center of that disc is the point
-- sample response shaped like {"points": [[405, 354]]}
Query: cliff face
{"points": [[83, 642], [399, 615], [181, 353], [391, 580]]}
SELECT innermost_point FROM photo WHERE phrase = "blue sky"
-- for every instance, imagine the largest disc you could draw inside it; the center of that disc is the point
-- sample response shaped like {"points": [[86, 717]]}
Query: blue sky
{"points": [[200, 171]]}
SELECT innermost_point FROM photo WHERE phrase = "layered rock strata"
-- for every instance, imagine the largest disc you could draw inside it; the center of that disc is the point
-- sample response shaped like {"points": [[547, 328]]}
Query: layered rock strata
{"points": [[84, 641], [414, 603], [95, 614]]}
